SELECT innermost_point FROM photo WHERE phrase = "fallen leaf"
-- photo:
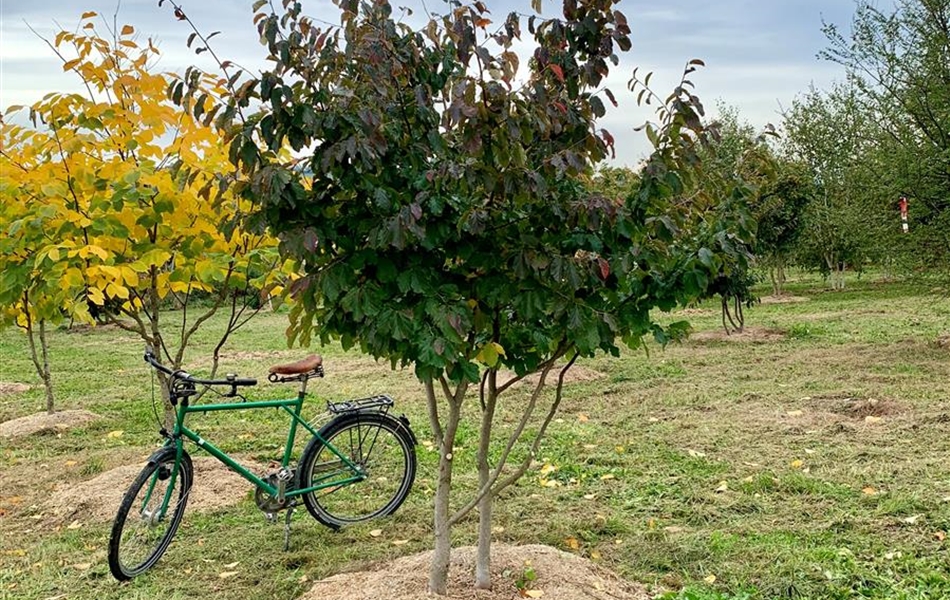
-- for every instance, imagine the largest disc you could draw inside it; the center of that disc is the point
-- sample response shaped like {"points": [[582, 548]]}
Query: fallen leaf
{"points": [[710, 579], [15, 552], [226, 574], [911, 520], [498, 529], [620, 449], [723, 487], [589, 496], [595, 555], [607, 476], [590, 446], [940, 536], [748, 479], [232, 565], [15, 500], [376, 532], [115, 434], [303, 578], [598, 585], [870, 491], [548, 468], [583, 418], [809, 451], [871, 420], [893, 555], [400, 542], [572, 543], [673, 529], [696, 453], [532, 593], [71, 463], [797, 464], [794, 413], [82, 566], [74, 525]]}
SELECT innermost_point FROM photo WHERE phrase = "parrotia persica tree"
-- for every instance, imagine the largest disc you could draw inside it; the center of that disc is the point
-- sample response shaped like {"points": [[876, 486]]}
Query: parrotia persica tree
{"points": [[97, 212], [440, 211]]}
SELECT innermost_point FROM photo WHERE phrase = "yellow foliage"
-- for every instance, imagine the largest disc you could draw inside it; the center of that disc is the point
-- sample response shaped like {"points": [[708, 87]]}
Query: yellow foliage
{"points": [[95, 209]]}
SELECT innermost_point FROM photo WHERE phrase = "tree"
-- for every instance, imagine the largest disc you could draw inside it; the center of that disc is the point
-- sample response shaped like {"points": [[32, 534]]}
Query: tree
{"points": [[826, 134], [898, 59], [105, 203], [439, 213]]}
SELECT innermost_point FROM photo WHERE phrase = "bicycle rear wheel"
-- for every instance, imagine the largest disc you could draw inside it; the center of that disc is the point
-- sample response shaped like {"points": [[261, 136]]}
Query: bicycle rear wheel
{"points": [[142, 531], [381, 446]]}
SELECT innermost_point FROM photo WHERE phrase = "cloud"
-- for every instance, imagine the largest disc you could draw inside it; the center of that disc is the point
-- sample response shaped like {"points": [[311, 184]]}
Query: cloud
{"points": [[759, 53]]}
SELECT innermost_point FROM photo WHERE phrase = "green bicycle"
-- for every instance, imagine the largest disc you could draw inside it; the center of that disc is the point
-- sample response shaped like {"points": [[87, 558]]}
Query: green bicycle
{"points": [[360, 465]]}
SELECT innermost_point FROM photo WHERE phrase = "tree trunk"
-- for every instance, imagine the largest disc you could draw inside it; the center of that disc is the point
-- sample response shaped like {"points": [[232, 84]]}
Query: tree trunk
{"points": [[439, 568], [779, 276], [483, 558], [40, 364], [45, 375]]}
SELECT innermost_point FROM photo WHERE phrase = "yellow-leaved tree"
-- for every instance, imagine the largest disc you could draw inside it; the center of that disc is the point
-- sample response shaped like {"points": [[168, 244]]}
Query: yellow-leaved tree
{"points": [[105, 210]]}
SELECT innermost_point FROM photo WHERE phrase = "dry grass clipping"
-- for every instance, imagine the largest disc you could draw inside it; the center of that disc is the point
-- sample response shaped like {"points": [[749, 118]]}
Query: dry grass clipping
{"points": [[43, 421], [560, 576], [215, 486], [8, 388]]}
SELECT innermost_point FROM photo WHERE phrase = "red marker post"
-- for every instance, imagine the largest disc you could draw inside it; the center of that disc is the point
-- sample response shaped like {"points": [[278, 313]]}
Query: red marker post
{"points": [[903, 205]]}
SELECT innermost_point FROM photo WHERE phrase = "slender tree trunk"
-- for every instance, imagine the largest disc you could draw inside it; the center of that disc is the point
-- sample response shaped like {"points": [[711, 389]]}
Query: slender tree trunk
{"points": [[740, 318], [439, 568], [483, 558], [42, 366], [47, 378], [779, 276], [41, 359]]}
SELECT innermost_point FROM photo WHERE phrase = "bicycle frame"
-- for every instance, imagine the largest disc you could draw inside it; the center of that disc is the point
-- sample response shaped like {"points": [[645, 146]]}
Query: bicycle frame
{"points": [[291, 406]]}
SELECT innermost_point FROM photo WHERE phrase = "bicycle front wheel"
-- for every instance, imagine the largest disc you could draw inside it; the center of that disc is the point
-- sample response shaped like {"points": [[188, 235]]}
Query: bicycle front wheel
{"points": [[381, 446], [143, 529]]}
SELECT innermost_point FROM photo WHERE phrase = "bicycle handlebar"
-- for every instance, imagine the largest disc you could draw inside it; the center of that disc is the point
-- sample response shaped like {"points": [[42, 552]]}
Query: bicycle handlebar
{"points": [[231, 380]]}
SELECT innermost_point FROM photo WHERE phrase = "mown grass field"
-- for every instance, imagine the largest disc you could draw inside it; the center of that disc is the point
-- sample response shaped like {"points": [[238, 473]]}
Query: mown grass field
{"points": [[809, 458]]}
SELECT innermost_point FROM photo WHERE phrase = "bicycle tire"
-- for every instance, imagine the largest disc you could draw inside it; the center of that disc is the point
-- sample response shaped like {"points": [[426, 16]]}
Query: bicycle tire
{"points": [[124, 562], [382, 445]]}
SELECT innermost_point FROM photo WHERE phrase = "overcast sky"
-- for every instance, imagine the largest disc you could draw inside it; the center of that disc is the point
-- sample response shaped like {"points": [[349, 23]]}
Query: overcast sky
{"points": [[759, 53]]}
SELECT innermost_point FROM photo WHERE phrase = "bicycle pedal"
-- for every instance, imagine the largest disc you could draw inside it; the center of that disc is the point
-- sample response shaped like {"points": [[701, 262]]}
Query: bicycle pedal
{"points": [[271, 517]]}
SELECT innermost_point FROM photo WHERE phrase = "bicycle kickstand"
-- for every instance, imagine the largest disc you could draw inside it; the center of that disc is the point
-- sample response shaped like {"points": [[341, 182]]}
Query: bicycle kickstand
{"points": [[290, 511]]}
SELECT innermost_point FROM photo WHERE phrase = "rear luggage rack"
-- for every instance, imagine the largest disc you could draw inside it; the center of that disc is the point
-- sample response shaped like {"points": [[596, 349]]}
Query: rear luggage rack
{"points": [[374, 403]]}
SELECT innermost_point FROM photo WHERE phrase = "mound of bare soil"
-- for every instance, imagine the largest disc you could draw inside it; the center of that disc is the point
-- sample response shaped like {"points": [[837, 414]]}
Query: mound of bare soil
{"points": [[9, 388], [38, 422], [943, 341], [783, 299], [560, 576], [97, 499], [747, 335]]}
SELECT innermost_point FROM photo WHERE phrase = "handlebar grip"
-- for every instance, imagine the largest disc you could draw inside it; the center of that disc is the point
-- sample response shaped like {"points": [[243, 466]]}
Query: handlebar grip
{"points": [[243, 382]]}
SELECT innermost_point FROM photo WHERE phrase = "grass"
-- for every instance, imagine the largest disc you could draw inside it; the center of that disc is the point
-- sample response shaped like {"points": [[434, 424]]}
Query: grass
{"points": [[814, 464]]}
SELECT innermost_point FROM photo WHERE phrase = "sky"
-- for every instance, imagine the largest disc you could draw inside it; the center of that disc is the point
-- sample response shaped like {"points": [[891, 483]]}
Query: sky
{"points": [[759, 54]]}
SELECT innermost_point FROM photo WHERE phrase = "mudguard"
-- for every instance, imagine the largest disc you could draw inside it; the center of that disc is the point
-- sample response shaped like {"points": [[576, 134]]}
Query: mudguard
{"points": [[405, 423], [167, 452]]}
